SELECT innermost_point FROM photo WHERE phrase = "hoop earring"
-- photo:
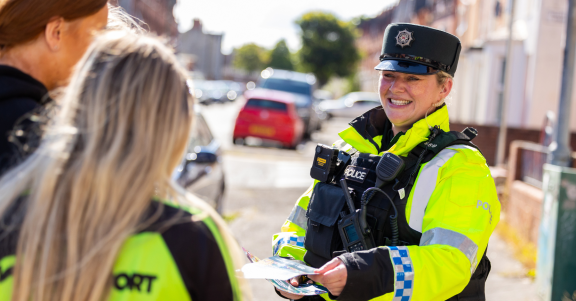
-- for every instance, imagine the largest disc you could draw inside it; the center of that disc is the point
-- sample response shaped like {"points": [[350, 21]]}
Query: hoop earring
{"points": [[433, 106], [441, 102], [426, 117]]}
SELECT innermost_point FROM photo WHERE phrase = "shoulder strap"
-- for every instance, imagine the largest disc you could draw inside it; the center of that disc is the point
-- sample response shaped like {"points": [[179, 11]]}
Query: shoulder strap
{"points": [[444, 140]]}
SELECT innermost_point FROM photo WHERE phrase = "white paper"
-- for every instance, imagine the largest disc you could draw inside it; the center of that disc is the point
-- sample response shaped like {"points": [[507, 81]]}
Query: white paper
{"points": [[284, 285], [276, 268]]}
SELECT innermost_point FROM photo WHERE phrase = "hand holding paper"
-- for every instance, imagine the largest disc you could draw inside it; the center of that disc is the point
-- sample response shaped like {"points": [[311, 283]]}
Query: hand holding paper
{"points": [[279, 271]]}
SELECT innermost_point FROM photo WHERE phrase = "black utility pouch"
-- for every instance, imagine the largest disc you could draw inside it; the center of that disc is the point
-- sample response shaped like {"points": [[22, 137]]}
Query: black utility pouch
{"points": [[322, 237]]}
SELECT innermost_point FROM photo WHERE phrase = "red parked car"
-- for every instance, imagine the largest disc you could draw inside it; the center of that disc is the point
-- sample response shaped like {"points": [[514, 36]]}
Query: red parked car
{"points": [[269, 115]]}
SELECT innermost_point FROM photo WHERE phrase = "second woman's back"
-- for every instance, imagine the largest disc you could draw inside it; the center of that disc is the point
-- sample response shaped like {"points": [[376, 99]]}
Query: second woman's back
{"points": [[91, 224]]}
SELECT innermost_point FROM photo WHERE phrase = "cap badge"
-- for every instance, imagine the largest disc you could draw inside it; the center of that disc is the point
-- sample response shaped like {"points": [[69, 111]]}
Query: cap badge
{"points": [[404, 38]]}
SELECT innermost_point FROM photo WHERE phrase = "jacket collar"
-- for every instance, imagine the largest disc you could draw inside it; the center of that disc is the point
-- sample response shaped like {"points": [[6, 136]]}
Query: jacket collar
{"points": [[366, 131], [17, 84]]}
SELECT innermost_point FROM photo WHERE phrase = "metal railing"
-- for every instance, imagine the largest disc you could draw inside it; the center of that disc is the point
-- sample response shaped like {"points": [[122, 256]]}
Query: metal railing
{"points": [[532, 166], [527, 161]]}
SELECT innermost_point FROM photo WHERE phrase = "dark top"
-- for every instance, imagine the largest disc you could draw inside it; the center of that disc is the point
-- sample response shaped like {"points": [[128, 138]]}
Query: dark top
{"points": [[20, 95]]}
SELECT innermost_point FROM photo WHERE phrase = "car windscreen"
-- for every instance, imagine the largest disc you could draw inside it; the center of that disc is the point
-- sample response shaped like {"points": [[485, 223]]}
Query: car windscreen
{"points": [[286, 85], [266, 104]]}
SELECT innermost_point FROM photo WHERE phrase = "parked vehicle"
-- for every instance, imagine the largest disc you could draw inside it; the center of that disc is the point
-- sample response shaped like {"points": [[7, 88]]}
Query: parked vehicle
{"points": [[323, 95], [211, 91], [269, 115], [301, 86], [235, 89], [201, 172], [350, 105]]}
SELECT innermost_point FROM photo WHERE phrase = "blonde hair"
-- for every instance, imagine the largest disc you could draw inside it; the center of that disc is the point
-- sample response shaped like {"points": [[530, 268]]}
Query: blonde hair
{"points": [[441, 78], [120, 131], [119, 19]]}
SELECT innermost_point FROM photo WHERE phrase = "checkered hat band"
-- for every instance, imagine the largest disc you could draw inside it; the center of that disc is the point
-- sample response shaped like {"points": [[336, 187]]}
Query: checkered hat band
{"points": [[433, 63], [404, 280]]}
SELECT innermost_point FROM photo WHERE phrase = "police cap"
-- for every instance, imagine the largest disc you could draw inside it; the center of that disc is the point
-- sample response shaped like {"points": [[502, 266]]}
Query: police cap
{"points": [[418, 49]]}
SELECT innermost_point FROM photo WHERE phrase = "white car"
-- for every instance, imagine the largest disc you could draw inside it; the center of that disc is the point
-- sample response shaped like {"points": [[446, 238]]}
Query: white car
{"points": [[350, 105]]}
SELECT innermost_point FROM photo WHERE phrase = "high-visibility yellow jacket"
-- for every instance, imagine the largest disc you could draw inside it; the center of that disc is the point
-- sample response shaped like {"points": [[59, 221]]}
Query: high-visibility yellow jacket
{"points": [[453, 203], [175, 258]]}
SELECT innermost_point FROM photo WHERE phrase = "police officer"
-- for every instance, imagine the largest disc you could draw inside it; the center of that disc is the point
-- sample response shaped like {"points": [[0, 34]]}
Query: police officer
{"points": [[431, 232]]}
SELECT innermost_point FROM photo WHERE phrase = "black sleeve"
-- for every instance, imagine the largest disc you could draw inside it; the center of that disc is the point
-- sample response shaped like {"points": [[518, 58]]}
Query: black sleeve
{"points": [[199, 260], [370, 274], [13, 112]]}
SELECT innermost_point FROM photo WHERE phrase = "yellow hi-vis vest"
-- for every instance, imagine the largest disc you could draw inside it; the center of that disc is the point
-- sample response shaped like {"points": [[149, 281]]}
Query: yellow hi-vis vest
{"points": [[182, 261], [453, 203]]}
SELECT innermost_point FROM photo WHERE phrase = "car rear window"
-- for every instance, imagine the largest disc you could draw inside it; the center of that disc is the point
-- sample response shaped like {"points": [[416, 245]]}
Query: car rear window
{"points": [[286, 85], [266, 104]]}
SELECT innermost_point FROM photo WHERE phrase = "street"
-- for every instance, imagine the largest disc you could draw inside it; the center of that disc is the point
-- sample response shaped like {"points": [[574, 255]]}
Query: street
{"points": [[263, 184]]}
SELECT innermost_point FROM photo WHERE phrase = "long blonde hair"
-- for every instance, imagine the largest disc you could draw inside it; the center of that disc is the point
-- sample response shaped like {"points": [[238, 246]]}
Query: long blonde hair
{"points": [[120, 131]]}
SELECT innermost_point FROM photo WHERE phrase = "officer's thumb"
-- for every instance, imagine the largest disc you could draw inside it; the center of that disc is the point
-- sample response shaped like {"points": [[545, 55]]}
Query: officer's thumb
{"points": [[330, 265]]}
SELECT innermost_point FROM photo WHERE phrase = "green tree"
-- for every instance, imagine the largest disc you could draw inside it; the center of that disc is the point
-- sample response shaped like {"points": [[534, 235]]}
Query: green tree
{"points": [[327, 46], [250, 57], [280, 57]]}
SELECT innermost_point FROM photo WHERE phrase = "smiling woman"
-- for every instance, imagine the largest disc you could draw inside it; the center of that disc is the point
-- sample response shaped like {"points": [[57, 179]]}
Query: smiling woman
{"points": [[420, 237], [407, 98]]}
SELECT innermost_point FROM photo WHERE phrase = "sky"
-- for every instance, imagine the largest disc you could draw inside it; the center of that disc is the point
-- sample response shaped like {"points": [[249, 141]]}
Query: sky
{"points": [[265, 22]]}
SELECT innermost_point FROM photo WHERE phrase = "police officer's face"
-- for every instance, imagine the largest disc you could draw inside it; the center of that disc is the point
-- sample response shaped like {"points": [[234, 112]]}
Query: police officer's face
{"points": [[406, 97]]}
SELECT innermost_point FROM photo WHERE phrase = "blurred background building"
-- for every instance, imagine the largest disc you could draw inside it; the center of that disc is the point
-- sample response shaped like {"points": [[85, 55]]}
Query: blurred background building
{"points": [[158, 15], [203, 51], [538, 43]]}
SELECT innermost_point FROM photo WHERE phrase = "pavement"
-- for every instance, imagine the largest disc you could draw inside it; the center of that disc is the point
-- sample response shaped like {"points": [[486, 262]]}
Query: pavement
{"points": [[263, 184]]}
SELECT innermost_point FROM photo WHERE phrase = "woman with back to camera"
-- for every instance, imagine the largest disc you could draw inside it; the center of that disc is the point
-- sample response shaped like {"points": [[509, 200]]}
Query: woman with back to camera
{"points": [[93, 214], [40, 42], [425, 201]]}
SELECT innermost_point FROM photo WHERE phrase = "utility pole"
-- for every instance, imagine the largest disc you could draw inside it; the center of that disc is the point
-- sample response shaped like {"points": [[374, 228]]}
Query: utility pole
{"points": [[503, 103], [555, 271], [560, 153]]}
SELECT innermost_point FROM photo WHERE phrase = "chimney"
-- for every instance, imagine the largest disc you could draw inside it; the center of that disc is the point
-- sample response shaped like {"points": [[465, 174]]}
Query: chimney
{"points": [[197, 25]]}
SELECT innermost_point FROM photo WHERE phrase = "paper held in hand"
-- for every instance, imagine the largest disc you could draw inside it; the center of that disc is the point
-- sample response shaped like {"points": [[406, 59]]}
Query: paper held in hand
{"points": [[279, 271]]}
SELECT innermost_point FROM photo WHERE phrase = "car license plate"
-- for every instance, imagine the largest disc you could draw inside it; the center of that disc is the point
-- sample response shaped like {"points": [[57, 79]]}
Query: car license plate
{"points": [[262, 130]]}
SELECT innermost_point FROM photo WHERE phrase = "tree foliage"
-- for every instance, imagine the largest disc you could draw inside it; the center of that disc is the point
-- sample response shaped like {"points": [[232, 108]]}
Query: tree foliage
{"points": [[280, 57], [250, 57], [327, 46]]}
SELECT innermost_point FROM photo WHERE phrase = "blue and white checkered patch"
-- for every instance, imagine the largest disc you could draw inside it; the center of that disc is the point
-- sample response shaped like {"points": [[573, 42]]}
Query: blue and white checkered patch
{"points": [[289, 239], [404, 281]]}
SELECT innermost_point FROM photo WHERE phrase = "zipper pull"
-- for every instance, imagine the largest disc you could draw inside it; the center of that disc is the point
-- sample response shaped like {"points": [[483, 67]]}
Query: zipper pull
{"points": [[402, 193]]}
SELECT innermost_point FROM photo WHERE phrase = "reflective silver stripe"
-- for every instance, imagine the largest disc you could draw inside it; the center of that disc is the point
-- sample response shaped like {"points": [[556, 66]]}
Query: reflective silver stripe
{"points": [[440, 236], [298, 217], [425, 187], [462, 146], [404, 278]]}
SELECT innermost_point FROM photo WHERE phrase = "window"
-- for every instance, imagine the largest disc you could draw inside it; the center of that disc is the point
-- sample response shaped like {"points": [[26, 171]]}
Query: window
{"points": [[201, 135], [266, 104], [366, 103], [500, 89], [286, 85]]}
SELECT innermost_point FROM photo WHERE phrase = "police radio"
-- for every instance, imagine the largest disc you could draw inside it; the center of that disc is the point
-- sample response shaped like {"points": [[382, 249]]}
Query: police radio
{"points": [[354, 235], [354, 230]]}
